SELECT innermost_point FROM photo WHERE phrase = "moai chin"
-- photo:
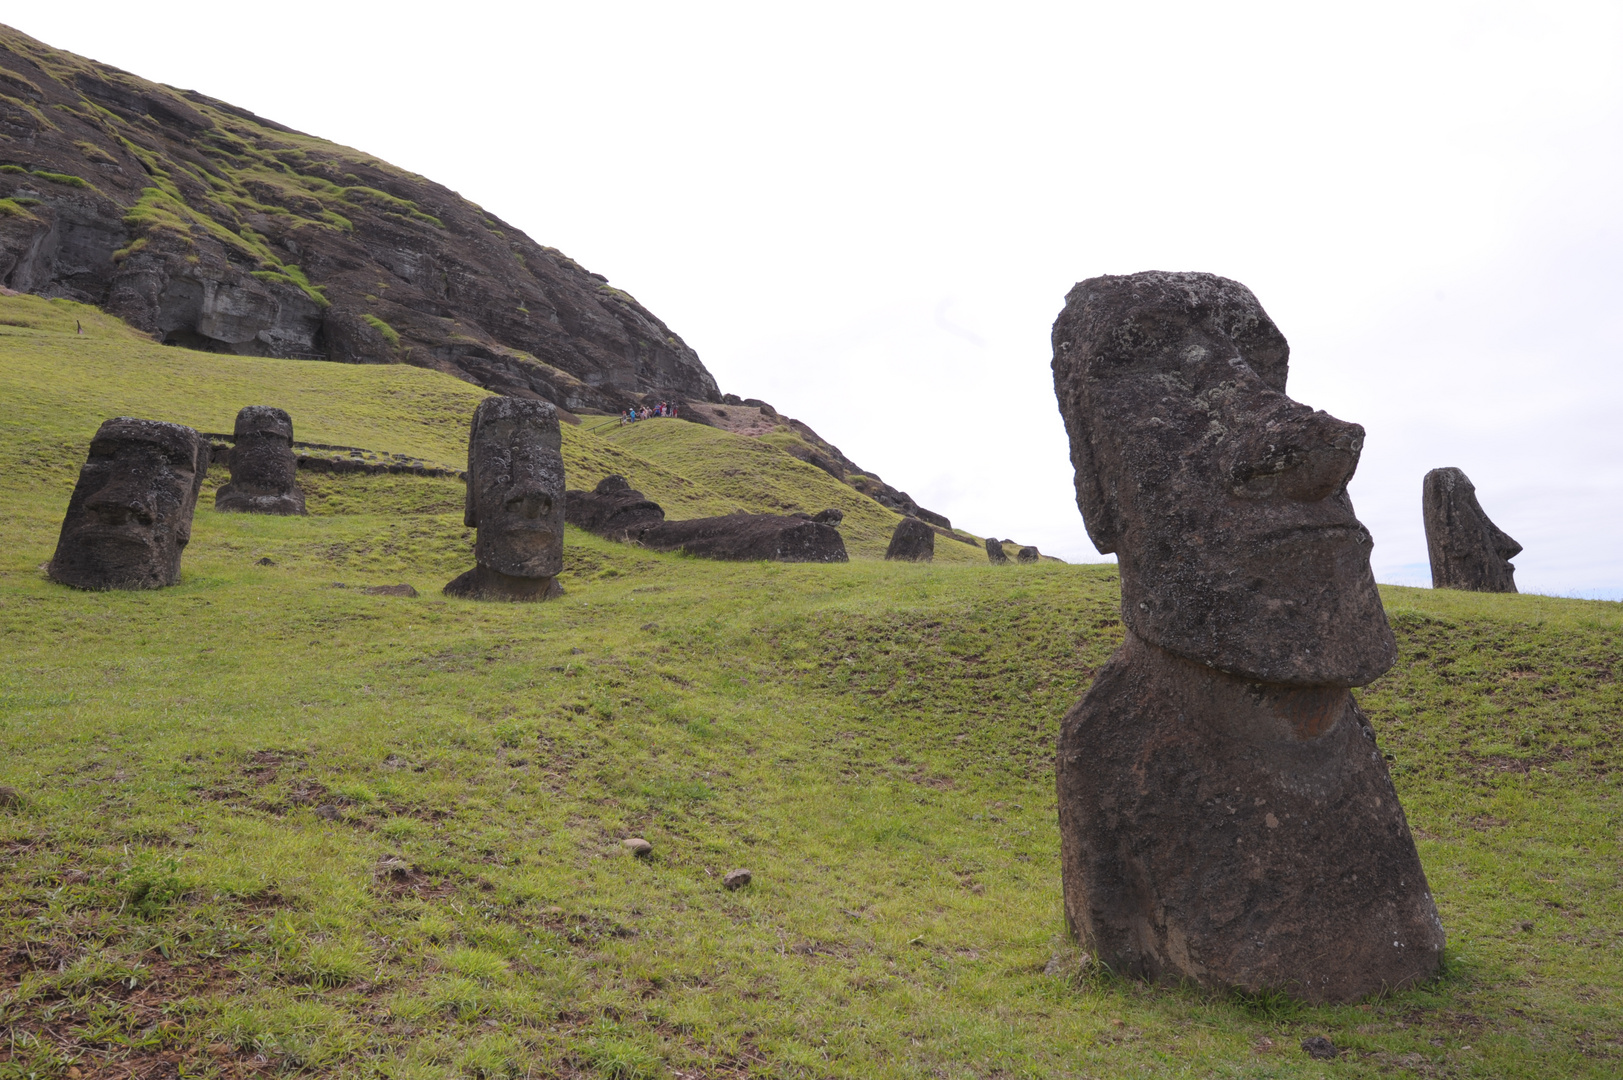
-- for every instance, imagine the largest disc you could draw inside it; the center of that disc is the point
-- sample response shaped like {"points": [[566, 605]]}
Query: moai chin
{"points": [[1468, 551], [1226, 816], [130, 515], [515, 500], [262, 465]]}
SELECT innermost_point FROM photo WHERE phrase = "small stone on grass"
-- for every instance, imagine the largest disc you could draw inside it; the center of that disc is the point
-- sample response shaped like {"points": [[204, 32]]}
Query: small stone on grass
{"points": [[266, 561], [639, 847], [735, 879], [1319, 1047]]}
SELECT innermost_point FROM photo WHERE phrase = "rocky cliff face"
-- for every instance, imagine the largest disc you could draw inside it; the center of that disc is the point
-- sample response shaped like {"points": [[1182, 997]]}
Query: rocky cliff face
{"points": [[210, 227]]}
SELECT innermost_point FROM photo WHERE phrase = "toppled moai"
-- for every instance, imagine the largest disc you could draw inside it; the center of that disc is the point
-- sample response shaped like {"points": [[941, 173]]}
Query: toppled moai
{"points": [[262, 465], [748, 537], [994, 552], [913, 541], [1468, 551], [1027, 554], [1226, 816], [613, 509], [130, 515], [516, 501]]}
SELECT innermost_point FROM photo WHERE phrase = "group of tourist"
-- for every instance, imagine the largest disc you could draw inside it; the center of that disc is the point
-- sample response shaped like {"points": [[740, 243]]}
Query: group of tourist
{"points": [[648, 412]]}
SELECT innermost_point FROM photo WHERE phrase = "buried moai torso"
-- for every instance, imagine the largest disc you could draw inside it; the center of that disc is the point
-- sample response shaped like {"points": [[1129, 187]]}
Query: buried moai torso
{"points": [[913, 541], [262, 465], [516, 501], [1468, 551], [130, 515], [1225, 814]]}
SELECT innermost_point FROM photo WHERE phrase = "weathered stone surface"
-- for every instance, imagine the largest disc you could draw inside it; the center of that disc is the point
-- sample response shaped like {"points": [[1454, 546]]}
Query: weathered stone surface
{"points": [[1245, 554], [747, 537], [638, 847], [130, 515], [516, 501], [1468, 551], [1027, 555], [994, 553], [1225, 814], [831, 516], [613, 509], [735, 879], [397, 590], [262, 465], [913, 541]]}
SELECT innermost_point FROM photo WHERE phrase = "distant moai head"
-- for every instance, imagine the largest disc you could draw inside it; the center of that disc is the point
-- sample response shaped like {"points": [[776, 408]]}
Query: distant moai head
{"points": [[1027, 555], [1224, 500], [1468, 551], [994, 552], [262, 465], [130, 515], [516, 487]]}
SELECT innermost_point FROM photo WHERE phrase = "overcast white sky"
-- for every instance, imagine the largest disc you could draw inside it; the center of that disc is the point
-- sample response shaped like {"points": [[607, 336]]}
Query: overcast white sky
{"points": [[869, 214]]}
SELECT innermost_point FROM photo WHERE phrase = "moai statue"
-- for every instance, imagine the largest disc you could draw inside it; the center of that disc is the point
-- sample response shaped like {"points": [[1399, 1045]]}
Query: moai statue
{"points": [[994, 552], [1467, 550], [262, 465], [515, 500], [913, 541], [1226, 817], [1026, 555], [130, 515]]}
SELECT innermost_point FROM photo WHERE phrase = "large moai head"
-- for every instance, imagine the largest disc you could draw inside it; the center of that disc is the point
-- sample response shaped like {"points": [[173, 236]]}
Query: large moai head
{"points": [[262, 465], [130, 515], [516, 487], [1224, 500], [1468, 551]]}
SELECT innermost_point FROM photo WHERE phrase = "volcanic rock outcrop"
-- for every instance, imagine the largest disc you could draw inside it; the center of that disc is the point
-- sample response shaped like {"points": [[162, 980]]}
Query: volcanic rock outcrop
{"points": [[748, 537], [130, 515], [1226, 816], [1468, 551], [208, 226], [516, 501], [262, 465], [994, 553], [613, 509], [913, 541]]}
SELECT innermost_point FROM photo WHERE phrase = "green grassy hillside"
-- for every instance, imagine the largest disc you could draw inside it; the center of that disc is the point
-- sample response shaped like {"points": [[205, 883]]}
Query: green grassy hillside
{"points": [[267, 823], [60, 384]]}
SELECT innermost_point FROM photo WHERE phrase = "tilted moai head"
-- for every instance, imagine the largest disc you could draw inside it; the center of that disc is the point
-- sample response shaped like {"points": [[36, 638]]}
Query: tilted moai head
{"points": [[1224, 500], [994, 552], [130, 515], [1468, 551], [262, 465], [1226, 816], [515, 499]]}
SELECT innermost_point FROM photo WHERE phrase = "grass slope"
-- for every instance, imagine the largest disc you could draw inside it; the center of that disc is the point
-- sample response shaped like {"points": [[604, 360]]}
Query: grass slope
{"points": [[269, 824]]}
